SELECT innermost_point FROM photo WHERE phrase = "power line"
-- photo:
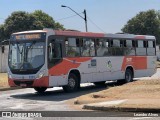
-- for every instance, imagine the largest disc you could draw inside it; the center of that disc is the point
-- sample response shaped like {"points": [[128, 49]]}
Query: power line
{"points": [[95, 24], [66, 17]]}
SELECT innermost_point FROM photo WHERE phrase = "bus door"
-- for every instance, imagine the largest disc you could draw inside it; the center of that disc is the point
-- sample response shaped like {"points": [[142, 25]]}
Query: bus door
{"points": [[55, 53], [55, 58]]}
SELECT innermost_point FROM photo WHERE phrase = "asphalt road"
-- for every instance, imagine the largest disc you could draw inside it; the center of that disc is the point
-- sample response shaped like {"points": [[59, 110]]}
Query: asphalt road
{"points": [[55, 99]]}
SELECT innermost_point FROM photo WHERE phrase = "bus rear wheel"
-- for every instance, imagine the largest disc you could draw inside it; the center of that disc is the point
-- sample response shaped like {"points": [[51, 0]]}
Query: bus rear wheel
{"points": [[40, 89], [73, 83], [128, 76]]}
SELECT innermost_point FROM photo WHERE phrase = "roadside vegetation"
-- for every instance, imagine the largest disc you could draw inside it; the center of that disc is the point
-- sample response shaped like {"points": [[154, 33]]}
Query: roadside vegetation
{"points": [[3, 80]]}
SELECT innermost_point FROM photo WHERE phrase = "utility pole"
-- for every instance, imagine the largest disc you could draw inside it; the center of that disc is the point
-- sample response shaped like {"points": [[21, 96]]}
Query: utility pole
{"points": [[84, 18]]}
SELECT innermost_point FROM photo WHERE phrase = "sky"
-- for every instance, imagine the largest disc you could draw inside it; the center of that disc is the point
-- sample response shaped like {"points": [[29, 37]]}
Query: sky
{"points": [[107, 16]]}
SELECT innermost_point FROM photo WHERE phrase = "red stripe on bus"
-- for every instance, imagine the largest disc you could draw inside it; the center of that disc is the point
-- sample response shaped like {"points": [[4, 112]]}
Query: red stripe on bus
{"points": [[11, 83], [137, 62], [42, 82], [140, 37], [64, 67]]}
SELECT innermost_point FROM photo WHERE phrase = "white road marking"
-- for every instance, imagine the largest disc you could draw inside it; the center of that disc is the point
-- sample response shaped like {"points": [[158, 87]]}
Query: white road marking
{"points": [[115, 102], [140, 118]]}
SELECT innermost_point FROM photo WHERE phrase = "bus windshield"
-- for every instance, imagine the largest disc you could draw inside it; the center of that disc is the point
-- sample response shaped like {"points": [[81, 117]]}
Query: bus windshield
{"points": [[26, 56]]}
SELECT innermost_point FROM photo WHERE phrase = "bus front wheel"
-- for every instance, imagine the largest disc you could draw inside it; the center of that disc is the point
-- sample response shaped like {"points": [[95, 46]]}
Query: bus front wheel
{"points": [[40, 89], [73, 83]]}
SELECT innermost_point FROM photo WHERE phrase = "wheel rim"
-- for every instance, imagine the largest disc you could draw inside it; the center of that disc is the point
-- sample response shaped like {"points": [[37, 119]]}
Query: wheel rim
{"points": [[71, 83]]}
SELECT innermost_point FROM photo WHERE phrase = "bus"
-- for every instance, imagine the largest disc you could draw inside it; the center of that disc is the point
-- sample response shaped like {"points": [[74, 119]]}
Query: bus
{"points": [[47, 58]]}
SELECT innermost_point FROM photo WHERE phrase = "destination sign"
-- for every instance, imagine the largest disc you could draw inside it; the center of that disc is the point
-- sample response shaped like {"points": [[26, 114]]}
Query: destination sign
{"points": [[28, 36], [33, 36]]}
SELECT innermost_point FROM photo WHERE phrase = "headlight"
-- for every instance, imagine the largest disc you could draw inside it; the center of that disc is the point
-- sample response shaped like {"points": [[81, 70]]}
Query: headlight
{"points": [[41, 74]]}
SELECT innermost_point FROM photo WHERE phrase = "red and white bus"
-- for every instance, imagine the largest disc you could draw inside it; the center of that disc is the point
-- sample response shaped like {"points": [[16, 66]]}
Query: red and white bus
{"points": [[48, 58]]}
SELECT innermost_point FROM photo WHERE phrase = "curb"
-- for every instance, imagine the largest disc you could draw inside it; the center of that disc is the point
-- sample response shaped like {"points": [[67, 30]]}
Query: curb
{"points": [[121, 109], [10, 88]]}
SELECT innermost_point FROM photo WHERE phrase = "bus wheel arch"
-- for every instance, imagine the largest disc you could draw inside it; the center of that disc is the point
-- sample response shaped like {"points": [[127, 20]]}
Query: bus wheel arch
{"points": [[74, 80], [129, 74]]}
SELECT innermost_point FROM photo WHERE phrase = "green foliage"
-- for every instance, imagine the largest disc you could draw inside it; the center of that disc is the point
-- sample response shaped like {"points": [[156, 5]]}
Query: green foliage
{"points": [[22, 21], [144, 23], [43, 20], [2, 33]]}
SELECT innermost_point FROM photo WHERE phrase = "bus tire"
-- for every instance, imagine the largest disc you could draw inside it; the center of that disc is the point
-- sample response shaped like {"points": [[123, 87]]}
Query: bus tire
{"points": [[102, 83], [128, 76], [40, 89], [73, 83]]}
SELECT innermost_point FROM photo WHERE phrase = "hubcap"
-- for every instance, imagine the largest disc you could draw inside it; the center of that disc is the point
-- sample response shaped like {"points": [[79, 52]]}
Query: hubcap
{"points": [[71, 83]]}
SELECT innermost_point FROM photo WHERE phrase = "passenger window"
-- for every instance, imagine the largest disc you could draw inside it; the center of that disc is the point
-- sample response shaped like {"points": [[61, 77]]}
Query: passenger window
{"points": [[116, 43], [128, 43], [151, 49], [88, 48], [150, 44], [117, 48], [72, 47], [141, 49], [140, 44], [129, 48], [102, 47]]}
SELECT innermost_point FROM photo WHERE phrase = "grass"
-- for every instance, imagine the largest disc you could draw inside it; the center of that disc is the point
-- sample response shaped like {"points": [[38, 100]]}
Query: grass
{"points": [[3, 80]]}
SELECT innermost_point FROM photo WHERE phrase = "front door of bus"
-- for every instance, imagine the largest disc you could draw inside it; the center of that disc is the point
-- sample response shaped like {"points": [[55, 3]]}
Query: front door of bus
{"points": [[55, 53], [55, 48]]}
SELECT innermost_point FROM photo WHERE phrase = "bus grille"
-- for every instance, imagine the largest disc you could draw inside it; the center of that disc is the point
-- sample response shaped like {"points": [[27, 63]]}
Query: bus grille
{"points": [[28, 83]]}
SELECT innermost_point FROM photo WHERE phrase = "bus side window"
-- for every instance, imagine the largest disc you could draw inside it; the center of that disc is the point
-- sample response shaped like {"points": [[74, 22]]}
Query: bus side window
{"points": [[151, 48], [88, 48], [117, 49], [73, 47], [129, 48], [141, 49], [102, 47]]}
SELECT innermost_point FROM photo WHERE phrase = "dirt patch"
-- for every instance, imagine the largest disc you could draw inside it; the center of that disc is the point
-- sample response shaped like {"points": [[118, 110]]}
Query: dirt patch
{"points": [[158, 64], [142, 89], [3, 80]]}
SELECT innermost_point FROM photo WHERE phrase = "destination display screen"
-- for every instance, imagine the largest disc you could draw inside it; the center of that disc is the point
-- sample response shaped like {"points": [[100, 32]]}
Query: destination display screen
{"points": [[29, 36]]}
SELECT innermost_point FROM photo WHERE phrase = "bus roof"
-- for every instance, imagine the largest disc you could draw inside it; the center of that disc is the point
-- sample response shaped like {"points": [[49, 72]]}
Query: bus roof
{"points": [[90, 34]]}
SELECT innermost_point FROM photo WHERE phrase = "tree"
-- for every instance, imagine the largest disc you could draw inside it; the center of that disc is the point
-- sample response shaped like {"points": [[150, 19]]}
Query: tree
{"points": [[43, 20], [2, 33], [145, 23], [22, 21], [18, 21]]}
